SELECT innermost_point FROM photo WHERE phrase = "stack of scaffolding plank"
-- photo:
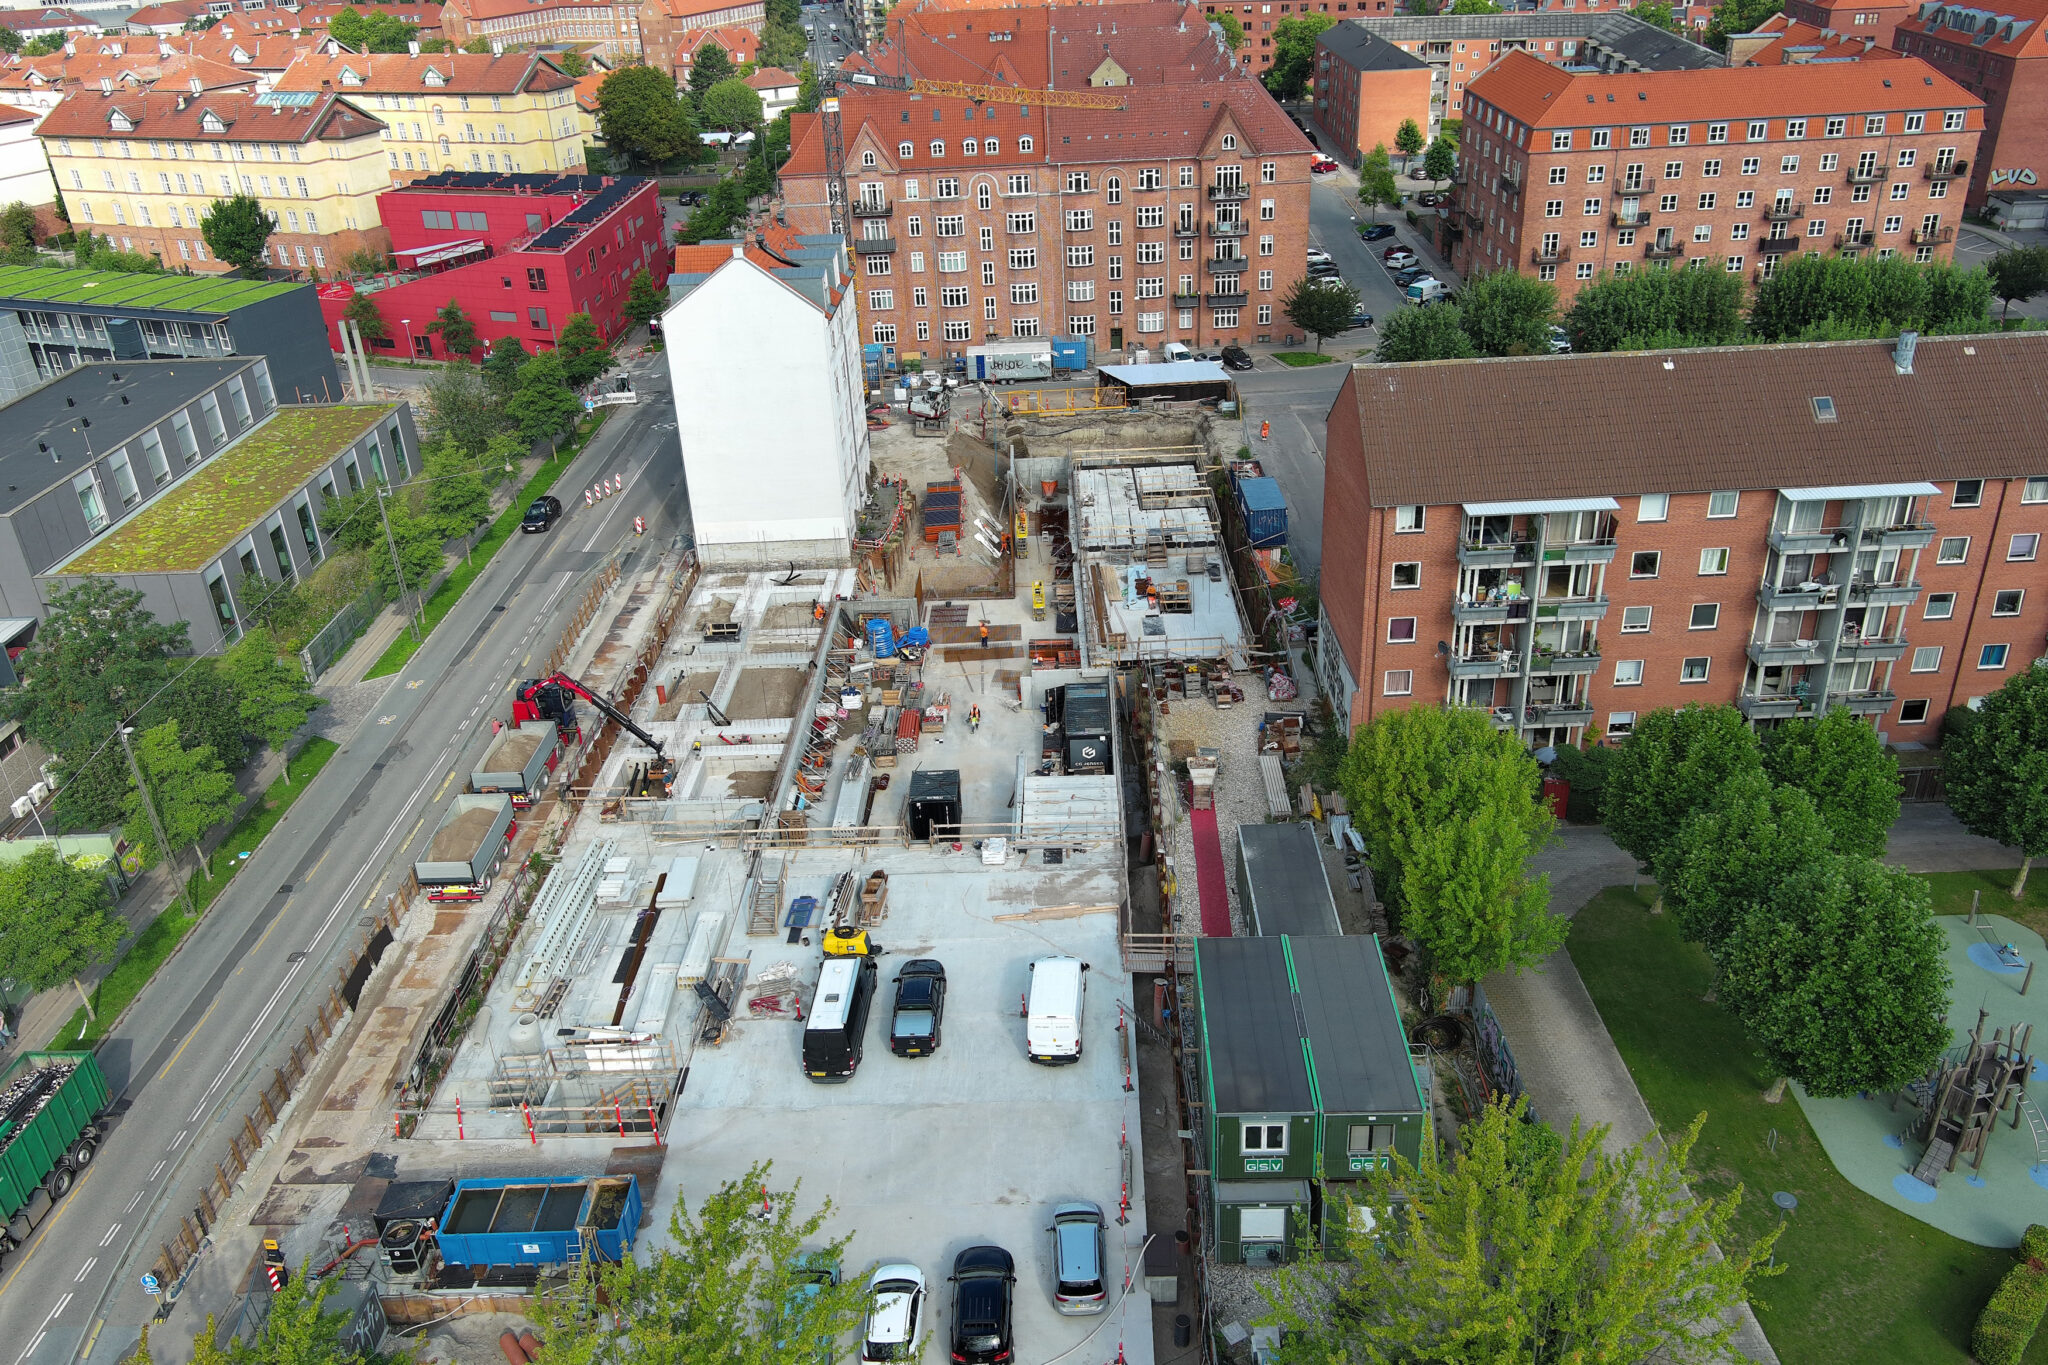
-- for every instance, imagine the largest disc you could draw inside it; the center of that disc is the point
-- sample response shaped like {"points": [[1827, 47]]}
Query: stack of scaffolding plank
{"points": [[942, 510]]}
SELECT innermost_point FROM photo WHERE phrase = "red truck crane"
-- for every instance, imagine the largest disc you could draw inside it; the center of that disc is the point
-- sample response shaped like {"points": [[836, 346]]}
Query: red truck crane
{"points": [[549, 699]]}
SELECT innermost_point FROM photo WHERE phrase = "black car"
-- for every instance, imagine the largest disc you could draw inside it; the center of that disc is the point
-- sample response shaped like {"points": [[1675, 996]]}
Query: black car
{"points": [[1429, 199], [1376, 232], [1404, 278], [920, 1008], [1324, 271], [1236, 358], [982, 1280], [545, 512]]}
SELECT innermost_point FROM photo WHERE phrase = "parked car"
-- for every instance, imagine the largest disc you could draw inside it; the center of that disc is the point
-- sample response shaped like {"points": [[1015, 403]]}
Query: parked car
{"points": [[1324, 272], [815, 1272], [1376, 232], [545, 512], [1429, 199], [1321, 165], [1236, 358], [1560, 341], [1398, 259], [983, 1277], [1077, 1259], [920, 1008], [1317, 256], [895, 1315], [1410, 275], [1361, 320]]}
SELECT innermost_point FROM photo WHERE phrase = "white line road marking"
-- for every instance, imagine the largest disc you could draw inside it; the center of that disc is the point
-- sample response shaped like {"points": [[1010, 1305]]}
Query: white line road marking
{"points": [[62, 1304], [156, 1170], [133, 1202], [85, 1269], [112, 1231], [179, 1140], [32, 1347]]}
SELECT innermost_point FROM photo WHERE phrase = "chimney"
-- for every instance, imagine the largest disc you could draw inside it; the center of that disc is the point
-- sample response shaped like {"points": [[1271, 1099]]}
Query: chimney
{"points": [[1902, 354], [70, 48], [412, 49], [182, 102], [739, 251], [197, 85]]}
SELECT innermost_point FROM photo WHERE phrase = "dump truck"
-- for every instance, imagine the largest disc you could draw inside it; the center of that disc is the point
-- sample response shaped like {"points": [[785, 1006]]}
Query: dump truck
{"points": [[467, 847], [51, 1105], [519, 762]]}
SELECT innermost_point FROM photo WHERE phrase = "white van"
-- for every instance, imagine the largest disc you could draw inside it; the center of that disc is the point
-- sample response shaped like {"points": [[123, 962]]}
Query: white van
{"points": [[1428, 289], [1174, 350], [1052, 1011]]}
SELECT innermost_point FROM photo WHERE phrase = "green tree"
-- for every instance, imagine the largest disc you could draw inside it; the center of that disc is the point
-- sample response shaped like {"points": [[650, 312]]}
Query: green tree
{"points": [[362, 261], [1958, 300], [1670, 767], [1322, 308], [1841, 978], [1656, 13], [361, 309], [191, 789], [203, 703], [348, 27], [782, 45], [570, 64], [458, 499], [458, 333], [584, 353], [1294, 55], [18, 234], [237, 231], [270, 690], [641, 115], [438, 45], [297, 1330], [1735, 852], [733, 1283], [1447, 804], [1681, 307], [90, 252], [1436, 332], [808, 95], [56, 920], [386, 32], [1525, 1248], [1506, 313], [1376, 186], [97, 657], [542, 404], [643, 300], [478, 46], [1472, 7], [1839, 761], [731, 105], [462, 409], [709, 65], [1233, 30], [1997, 770], [10, 41], [500, 369], [48, 45], [351, 521], [1847, 295], [1440, 162], [1738, 16], [2017, 275], [1408, 138]]}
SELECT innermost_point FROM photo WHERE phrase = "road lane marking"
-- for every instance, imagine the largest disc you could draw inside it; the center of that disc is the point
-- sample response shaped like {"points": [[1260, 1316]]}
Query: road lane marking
{"points": [[179, 1140], [62, 1304], [112, 1231], [133, 1202], [32, 1346], [188, 1039], [86, 1269], [156, 1170]]}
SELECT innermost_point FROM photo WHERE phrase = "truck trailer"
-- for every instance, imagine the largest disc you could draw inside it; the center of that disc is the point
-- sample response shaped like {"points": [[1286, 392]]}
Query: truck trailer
{"points": [[467, 847], [51, 1105], [1017, 358], [519, 762]]}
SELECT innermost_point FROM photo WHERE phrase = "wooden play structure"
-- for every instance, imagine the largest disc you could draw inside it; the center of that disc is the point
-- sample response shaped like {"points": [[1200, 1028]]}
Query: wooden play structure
{"points": [[1966, 1094]]}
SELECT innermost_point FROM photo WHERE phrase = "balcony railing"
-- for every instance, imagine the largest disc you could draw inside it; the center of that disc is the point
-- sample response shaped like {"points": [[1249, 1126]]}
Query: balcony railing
{"points": [[1187, 229], [1557, 713], [1783, 211], [1906, 536], [1819, 540], [1876, 649], [1784, 653], [1663, 251], [1576, 661], [1940, 171], [1773, 245], [873, 208], [1230, 192], [1860, 175], [1550, 255], [1571, 609], [1496, 610], [1796, 597], [1640, 218], [1854, 241], [1864, 703], [1509, 182], [1237, 229], [1187, 300], [1228, 265], [1899, 594], [1596, 551], [1233, 300], [1647, 185], [1935, 237], [1475, 554], [873, 246], [1487, 664], [1774, 705]]}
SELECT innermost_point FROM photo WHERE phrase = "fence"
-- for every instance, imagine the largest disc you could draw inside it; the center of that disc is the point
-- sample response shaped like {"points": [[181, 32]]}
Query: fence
{"points": [[194, 1233], [334, 638]]}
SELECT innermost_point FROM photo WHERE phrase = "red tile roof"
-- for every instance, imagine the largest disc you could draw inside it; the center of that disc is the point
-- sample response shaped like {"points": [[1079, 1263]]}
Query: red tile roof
{"points": [[454, 73], [771, 77], [741, 44], [155, 114], [2011, 28], [145, 66], [1533, 91], [169, 12], [47, 18], [501, 9], [259, 51], [1154, 41], [1798, 42]]}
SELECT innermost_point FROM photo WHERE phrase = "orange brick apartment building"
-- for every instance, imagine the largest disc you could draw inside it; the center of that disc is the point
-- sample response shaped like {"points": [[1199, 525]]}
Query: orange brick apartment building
{"points": [[1570, 175], [1572, 541]]}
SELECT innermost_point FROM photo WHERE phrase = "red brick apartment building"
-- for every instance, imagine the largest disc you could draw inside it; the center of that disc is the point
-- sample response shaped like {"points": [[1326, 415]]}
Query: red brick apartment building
{"points": [[2001, 56], [1870, 19], [1181, 217], [1784, 41], [1573, 541], [1569, 175], [1366, 88]]}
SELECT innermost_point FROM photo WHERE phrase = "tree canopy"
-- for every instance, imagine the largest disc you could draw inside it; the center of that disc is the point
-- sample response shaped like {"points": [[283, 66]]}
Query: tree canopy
{"points": [[542, 404], [2018, 274], [1524, 1248], [377, 31], [361, 309], [643, 301], [1672, 765], [1408, 137], [1657, 13], [1436, 332], [1233, 29], [191, 790], [1735, 852], [1648, 308], [1839, 762], [1294, 55], [461, 408], [709, 65], [1377, 187], [641, 115], [1322, 308], [1818, 297], [731, 105], [56, 919], [458, 333], [1508, 313], [17, 234], [584, 353], [500, 370], [1738, 16], [237, 230], [270, 688], [1440, 162], [1997, 770]]}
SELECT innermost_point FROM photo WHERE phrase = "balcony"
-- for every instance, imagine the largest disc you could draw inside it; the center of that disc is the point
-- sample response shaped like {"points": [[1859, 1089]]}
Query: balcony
{"points": [[1187, 300], [1664, 251], [1854, 241], [873, 246], [1784, 653], [1498, 610], [1580, 552], [1229, 230], [1948, 171], [1228, 265], [1231, 192], [1909, 536], [1184, 230], [1509, 182], [1496, 554], [1473, 217], [1923, 237], [1490, 664], [1819, 540], [1557, 713], [1640, 218], [1869, 175], [1799, 597], [1581, 661], [1571, 609], [1884, 594], [1550, 255], [1864, 703], [1861, 648], [873, 208], [1783, 211], [1772, 245], [1236, 299], [1774, 705]]}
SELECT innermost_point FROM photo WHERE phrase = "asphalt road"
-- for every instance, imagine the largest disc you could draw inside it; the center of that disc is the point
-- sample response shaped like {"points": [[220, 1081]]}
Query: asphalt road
{"points": [[202, 1039]]}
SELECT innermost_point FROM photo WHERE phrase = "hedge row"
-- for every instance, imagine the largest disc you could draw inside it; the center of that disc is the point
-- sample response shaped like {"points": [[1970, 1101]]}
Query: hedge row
{"points": [[2006, 1326]]}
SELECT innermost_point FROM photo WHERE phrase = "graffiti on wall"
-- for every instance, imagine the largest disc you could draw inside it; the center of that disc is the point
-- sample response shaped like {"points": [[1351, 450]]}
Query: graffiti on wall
{"points": [[2022, 176]]}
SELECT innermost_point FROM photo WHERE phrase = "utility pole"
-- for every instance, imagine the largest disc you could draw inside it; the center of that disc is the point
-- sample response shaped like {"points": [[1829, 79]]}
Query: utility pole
{"points": [[149, 807], [399, 568]]}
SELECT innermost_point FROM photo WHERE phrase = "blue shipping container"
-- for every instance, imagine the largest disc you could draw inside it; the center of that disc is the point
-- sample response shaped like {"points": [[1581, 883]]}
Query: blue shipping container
{"points": [[1070, 353], [1265, 512], [539, 1220]]}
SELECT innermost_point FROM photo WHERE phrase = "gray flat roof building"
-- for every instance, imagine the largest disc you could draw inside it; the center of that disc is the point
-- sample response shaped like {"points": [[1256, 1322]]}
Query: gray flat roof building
{"points": [[1609, 41]]}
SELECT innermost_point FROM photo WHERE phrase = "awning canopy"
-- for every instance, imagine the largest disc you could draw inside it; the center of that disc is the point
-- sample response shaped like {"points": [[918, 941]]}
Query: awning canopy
{"points": [[1850, 492], [1540, 507], [442, 251]]}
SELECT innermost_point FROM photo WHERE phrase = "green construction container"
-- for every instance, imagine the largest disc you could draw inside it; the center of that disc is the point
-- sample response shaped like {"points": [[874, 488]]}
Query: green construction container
{"points": [[50, 1104]]}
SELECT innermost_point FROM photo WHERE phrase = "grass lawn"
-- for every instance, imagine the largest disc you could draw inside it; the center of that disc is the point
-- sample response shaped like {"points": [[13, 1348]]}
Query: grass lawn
{"points": [[1952, 895], [503, 529], [154, 944], [1302, 359], [1864, 1282]]}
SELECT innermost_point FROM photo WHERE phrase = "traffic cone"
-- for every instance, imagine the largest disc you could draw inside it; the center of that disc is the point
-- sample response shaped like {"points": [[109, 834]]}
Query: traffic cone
{"points": [[1265, 430]]}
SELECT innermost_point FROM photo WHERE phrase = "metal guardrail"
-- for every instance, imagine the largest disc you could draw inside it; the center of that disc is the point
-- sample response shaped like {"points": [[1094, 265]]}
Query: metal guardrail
{"points": [[333, 639]]}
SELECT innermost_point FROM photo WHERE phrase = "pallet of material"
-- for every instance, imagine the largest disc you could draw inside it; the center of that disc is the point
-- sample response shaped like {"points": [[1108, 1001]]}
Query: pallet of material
{"points": [[909, 726]]}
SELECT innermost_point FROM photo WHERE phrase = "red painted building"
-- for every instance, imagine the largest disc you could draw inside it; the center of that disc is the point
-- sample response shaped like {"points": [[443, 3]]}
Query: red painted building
{"points": [[522, 254]]}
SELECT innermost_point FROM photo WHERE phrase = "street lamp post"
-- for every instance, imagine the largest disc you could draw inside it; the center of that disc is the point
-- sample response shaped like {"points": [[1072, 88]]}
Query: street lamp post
{"points": [[397, 566], [409, 347]]}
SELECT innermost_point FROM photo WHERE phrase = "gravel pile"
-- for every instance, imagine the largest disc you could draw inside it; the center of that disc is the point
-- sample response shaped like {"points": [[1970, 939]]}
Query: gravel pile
{"points": [[1234, 1294]]}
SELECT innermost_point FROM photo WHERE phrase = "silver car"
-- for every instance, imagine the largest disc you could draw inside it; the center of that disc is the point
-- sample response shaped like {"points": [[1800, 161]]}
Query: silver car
{"points": [[1077, 1259]]}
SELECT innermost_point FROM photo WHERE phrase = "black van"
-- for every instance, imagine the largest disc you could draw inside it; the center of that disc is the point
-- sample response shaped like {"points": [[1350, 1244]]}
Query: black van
{"points": [[837, 1028]]}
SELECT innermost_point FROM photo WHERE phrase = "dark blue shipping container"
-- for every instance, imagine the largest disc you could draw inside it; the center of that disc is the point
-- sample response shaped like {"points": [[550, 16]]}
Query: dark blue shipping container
{"points": [[540, 1220], [1265, 512]]}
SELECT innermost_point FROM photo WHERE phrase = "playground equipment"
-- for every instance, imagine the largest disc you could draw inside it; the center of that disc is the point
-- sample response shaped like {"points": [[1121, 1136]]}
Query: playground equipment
{"points": [[1963, 1097]]}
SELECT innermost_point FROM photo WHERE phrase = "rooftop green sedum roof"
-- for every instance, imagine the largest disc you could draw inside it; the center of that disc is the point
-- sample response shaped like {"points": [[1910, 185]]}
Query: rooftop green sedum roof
{"points": [[116, 289], [185, 528]]}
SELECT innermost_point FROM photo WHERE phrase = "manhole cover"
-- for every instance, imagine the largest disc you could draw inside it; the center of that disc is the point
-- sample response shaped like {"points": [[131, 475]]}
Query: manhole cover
{"points": [[366, 921], [294, 957], [499, 607]]}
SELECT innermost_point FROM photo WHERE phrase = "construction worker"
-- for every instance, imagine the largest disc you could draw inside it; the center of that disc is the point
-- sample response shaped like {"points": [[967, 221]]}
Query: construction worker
{"points": [[984, 635], [818, 611]]}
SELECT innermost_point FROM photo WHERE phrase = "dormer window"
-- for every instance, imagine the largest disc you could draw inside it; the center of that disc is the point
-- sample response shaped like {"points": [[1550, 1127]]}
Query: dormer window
{"points": [[212, 122], [434, 77], [120, 122], [349, 76]]}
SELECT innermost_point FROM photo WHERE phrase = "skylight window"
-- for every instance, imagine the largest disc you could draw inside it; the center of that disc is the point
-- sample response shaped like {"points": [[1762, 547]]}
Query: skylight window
{"points": [[1823, 409]]}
